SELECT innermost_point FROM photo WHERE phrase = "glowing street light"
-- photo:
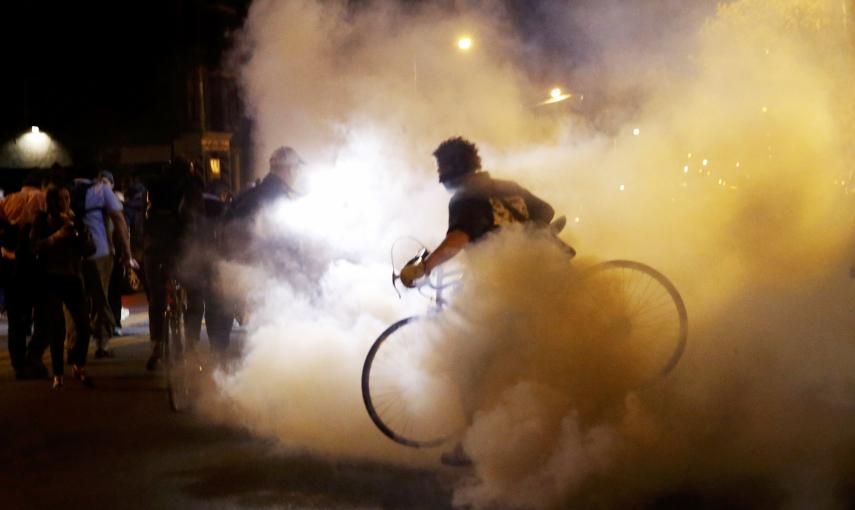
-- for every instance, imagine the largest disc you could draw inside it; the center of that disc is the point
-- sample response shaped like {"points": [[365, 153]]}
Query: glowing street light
{"points": [[556, 95], [464, 43], [33, 148]]}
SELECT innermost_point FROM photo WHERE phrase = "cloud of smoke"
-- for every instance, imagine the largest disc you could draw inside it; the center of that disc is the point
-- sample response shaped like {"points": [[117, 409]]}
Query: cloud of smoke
{"points": [[718, 152]]}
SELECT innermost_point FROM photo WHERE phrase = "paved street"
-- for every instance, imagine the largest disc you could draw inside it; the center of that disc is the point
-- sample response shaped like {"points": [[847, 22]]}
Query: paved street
{"points": [[119, 446]]}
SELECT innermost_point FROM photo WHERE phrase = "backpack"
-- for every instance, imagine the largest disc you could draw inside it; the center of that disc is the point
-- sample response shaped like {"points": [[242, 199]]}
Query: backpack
{"points": [[78, 198]]}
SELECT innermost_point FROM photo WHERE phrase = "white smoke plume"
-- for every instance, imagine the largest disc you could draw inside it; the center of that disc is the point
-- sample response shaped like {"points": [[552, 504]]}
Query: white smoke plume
{"points": [[711, 143]]}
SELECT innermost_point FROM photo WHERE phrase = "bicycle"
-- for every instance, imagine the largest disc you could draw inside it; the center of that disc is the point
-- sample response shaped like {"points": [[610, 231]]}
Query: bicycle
{"points": [[651, 303], [177, 368]]}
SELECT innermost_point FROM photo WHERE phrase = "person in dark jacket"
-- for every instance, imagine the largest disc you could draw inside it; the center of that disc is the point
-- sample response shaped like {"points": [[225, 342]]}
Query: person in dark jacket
{"points": [[199, 271], [278, 183], [60, 243]]}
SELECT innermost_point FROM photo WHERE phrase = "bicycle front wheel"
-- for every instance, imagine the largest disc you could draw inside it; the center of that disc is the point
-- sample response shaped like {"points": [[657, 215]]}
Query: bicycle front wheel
{"points": [[408, 393], [177, 368], [642, 309]]}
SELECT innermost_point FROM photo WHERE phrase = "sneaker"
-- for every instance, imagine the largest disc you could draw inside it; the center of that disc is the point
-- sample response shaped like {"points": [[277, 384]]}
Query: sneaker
{"points": [[456, 457], [103, 353], [80, 375], [57, 382]]}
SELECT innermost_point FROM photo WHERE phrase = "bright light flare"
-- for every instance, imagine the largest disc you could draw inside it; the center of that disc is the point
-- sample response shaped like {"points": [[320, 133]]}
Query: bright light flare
{"points": [[636, 132], [556, 95], [464, 43], [34, 129], [341, 203], [34, 143]]}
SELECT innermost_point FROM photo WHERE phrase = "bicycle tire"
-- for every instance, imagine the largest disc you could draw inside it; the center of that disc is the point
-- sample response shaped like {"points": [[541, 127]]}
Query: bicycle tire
{"points": [[650, 301], [377, 396], [177, 373]]}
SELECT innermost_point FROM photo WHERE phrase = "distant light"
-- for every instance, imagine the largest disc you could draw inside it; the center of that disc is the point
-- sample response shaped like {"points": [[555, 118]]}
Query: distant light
{"points": [[577, 219], [764, 109], [737, 164], [705, 162], [685, 169], [464, 43], [636, 131], [555, 93], [690, 155], [34, 129], [215, 167], [621, 187]]}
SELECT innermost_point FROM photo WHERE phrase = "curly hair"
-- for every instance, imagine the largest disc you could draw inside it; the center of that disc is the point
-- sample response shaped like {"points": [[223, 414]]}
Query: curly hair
{"points": [[457, 156]]}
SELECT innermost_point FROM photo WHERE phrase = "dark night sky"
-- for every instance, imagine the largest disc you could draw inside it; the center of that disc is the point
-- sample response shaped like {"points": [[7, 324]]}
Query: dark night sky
{"points": [[98, 72]]}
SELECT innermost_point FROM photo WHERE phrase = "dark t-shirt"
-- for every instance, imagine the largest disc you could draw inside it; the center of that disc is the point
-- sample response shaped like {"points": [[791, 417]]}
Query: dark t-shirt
{"points": [[174, 201], [483, 204]]}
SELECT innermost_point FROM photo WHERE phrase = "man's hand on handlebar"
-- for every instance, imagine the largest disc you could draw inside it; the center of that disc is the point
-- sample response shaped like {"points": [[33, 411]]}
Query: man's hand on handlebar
{"points": [[412, 272]]}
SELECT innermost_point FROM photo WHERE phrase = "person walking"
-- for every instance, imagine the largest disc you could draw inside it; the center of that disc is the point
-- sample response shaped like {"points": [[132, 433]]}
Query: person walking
{"points": [[99, 207], [20, 210], [60, 242], [174, 198]]}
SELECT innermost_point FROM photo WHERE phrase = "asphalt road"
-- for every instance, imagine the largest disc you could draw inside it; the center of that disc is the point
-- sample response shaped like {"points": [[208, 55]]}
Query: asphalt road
{"points": [[119, 446]]}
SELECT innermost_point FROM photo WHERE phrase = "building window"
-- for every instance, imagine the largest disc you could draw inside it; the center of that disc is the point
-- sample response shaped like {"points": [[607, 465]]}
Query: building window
{"points": [[215, 167]]}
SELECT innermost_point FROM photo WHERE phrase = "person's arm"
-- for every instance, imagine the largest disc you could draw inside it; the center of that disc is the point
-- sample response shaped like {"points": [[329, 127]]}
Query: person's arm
{"points": [[124, 235], [454, 241], [113, 208], [449, 247]]}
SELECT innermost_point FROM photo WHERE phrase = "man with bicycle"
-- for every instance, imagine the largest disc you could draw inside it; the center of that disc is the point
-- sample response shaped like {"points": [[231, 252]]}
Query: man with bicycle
{"points": [[479, 205], [173, 204]]}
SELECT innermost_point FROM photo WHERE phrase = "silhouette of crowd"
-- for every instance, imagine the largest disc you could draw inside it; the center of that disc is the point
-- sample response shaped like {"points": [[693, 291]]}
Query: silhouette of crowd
{"points": [[70, 248]]}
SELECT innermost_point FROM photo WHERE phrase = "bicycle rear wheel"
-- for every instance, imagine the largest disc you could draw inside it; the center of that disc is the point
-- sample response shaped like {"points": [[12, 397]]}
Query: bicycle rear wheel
{"points": [[178, 373], [407, 394], [641, 308]]}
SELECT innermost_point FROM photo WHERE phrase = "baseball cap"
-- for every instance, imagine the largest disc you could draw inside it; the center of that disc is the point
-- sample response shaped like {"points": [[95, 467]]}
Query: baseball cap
{"points": [[286, 156], [105, 174]]}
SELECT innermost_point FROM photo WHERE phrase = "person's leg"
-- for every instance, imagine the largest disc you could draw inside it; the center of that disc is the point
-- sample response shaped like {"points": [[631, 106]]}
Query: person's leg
{"points": [[193, 315], [106, 322], [70, 333], [114, 294], [156, 289], [56, 332], [219, 317], [95, 281], [18, 313], [42, 324], [74, 298]]}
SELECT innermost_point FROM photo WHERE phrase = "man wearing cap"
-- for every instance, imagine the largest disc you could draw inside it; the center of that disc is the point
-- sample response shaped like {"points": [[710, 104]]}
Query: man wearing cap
{"points": [[101, 205], [278, 183], [237, 239]]}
